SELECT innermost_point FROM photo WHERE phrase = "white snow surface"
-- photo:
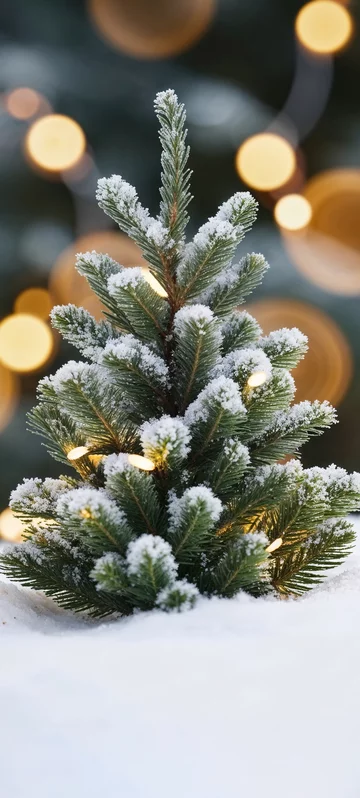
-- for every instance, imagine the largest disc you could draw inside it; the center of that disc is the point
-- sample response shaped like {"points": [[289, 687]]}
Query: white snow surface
{"points": [[254, 697]]}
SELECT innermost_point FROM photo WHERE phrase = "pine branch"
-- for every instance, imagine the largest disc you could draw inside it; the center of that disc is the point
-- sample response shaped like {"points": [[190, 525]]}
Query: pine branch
{"points": [[139, 373], [97, 269], [285, 348], [98, 410], [119, 200], [307, 566], [214, 245], [175, 177], [95, 519], [290, 429], [239, 567], [196, 351], [147, 315], [240, 330], [57, 572], [235, 283], [263, 402], [192, 520], [226, 473], [218, 412], [36, 498], [80, 329], [264, 490], [135, 493]]}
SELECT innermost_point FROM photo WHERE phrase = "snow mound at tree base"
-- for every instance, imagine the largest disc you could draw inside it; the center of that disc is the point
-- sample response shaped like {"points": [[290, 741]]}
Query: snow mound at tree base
{"points": [[241, 697]]}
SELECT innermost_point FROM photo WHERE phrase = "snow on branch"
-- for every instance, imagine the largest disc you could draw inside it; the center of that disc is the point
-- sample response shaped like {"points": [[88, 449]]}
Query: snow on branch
{"points": [[221, 390], [128, 348], [165, 439]]}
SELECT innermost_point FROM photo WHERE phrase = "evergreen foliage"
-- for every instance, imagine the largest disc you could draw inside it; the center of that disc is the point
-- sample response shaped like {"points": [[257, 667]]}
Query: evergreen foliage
{"points": [[183, 411]]}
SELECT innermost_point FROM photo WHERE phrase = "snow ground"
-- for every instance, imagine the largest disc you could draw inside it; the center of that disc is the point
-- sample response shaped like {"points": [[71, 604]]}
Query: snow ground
{"points": [[235, 698]]}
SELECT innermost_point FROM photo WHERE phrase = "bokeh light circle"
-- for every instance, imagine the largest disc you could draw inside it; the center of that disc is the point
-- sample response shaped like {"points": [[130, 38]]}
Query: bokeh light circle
{"points": [[23, 103], [159, 29], [293, 212], [265, 161], [26, 342], [328, 251], [8, 396], [11, 528], [326, 370], [67, 285], [55, 142], [36, 301], [323, 26]]}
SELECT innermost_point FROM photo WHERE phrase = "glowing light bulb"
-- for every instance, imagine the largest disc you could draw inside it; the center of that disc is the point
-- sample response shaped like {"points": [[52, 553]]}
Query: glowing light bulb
{"points": [[324, 26], [26, 342], [11, 528], [293, 212], [153, 282], [36, 301], [78, 451], [274, 545], [55, 142], [265, 161], [22, 103], [256, 379], [85, 513], [141, 462]]}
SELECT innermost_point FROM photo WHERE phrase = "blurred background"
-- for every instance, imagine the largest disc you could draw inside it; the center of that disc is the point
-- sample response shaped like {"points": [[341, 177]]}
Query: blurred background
{"points": [[271, 90]]}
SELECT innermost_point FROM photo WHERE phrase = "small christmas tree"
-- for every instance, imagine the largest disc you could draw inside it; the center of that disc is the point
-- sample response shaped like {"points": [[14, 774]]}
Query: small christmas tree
{"points": [[175, 424]]}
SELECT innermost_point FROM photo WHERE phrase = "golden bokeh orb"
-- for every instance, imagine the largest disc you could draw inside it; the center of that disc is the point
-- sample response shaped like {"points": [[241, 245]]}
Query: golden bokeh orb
{"points": [[326, 370], [36, 301], [55, 142], [160, 29], [23, 103], [265, 161], [324, 26], [26, 342], [11, 528], [293, 212], [328, 250], [9, 394]]}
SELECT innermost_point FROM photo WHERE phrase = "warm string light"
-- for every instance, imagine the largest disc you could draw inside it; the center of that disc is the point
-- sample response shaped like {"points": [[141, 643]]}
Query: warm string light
{"points": [[274, 545], [293, 212], [324, 26], [77, 452], [153, 282], [265, 161], [55, 143], [11, 528], [26, 342], [256, 379], [144, 463]]}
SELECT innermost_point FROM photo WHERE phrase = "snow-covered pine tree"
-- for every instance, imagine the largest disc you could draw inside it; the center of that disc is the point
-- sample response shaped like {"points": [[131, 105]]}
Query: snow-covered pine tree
{"points": [[175, 423]]}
